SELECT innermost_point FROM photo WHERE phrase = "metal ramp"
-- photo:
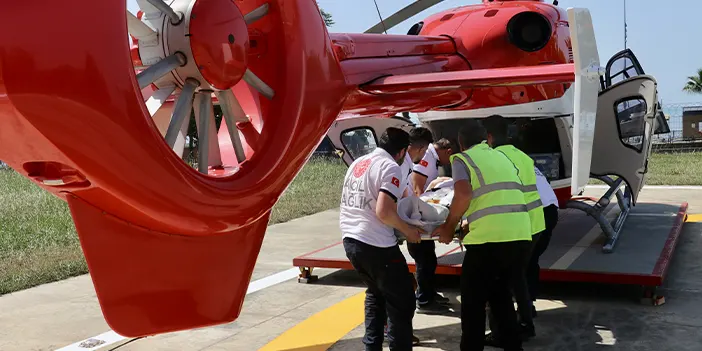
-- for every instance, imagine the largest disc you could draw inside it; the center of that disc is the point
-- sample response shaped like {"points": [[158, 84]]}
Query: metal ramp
{"points": [[645, 247]]}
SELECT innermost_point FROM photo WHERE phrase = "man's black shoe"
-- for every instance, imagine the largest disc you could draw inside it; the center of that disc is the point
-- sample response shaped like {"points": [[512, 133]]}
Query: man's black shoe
{"points": [[415, 339], [526, 331], [432, 306], [491, 340], [442, 300]]}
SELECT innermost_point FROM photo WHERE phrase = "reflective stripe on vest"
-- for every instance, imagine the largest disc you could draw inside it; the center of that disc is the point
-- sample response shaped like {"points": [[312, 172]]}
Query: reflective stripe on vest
{"points": [[525, 168], [497, 210]]}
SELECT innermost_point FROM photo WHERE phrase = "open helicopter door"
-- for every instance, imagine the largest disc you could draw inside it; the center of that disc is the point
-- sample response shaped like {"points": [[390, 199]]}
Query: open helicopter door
{"points": [[623, 66], [627, 119], [354, 137]]}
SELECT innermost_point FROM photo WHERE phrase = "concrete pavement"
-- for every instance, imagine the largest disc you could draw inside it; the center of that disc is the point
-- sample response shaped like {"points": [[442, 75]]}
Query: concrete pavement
{"points": [[571, 316]]}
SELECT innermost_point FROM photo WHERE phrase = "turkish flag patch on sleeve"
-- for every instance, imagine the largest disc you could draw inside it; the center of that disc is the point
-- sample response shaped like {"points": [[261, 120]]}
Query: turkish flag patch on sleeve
{"points": [[395, 182], [424, 163]]}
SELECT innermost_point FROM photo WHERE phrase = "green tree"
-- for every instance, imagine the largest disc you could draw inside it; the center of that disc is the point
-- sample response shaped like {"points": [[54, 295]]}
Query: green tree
{"points": [[327, 17], [694, 83]]}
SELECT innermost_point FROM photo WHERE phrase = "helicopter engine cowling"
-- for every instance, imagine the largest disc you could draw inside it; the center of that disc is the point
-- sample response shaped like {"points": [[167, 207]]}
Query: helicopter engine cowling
{"points": [[506, 34]]}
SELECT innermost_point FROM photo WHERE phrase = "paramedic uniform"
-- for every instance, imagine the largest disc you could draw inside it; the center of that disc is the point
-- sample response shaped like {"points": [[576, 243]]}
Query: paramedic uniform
{"points": [[406, 168], [372, 248], [428, 166], [499, 238], [550, 204]]}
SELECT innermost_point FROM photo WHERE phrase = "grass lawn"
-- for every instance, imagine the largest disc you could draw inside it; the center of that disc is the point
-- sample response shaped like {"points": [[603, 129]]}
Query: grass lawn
{"points": [[317, 188], [672, 169], [675, 169], [38, 243]]}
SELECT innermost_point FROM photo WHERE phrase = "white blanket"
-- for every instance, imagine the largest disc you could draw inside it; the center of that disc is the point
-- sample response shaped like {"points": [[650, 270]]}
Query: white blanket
{"points": [[427, 216]]}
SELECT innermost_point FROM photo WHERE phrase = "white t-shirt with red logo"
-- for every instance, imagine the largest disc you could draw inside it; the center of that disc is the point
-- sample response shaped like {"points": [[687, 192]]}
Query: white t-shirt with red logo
{"points": [[428, 166], [406, 168], [366, 177]]}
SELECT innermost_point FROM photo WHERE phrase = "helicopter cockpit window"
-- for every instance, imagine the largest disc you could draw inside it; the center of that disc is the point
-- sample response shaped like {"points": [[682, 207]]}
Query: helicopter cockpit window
{"points": [[631, 115], [358, 142], [623, 69]]}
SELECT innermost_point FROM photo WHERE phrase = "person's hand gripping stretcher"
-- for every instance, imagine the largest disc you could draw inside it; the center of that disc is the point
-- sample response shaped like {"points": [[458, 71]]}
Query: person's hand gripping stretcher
{"points": [[454, 226]]}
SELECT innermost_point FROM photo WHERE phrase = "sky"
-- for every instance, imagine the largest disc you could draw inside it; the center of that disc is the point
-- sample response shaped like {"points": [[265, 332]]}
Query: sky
{"points": [[664, 35]]}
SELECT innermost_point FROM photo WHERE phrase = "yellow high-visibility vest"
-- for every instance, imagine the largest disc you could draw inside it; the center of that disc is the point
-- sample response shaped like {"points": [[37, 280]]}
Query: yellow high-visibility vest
{"points": [[525, 168], [497, 210]]}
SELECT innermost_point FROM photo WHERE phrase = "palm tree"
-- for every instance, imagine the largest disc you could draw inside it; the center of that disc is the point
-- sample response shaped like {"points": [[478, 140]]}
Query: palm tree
{"points": [[694, 83]]}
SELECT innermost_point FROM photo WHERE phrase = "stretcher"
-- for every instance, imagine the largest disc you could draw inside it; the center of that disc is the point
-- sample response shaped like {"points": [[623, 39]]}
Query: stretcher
{"points": [[646, 243]]}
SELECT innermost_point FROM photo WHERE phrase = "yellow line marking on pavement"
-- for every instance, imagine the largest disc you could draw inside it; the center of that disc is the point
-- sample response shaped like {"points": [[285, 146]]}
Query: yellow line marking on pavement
{"points": [[322, 330], [694, 217]]}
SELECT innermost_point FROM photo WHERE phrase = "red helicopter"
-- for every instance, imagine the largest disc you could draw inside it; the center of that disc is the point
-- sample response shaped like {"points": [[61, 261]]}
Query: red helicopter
{"points": [[101, 123]]}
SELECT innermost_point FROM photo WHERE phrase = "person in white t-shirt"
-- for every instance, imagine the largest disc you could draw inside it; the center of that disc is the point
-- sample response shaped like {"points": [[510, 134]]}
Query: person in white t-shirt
{"points": [[424, 253], [550, 203], [368, 214], [427, 169], [406, 168], [420, 141]]}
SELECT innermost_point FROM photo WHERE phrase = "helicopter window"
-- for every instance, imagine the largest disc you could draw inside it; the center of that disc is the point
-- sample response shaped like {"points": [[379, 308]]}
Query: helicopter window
{"points": [[416, 28], [623, 69], [358, 141], [631, 115]]}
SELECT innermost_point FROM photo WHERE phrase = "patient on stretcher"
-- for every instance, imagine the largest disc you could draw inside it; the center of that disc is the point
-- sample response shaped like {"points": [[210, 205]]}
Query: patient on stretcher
{"points": [[429, 210], [440, 182]]}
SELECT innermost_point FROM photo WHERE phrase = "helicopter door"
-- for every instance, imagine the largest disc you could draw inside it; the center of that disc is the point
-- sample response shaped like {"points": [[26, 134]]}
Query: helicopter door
{"points": [[356, 136], [626, 120]]}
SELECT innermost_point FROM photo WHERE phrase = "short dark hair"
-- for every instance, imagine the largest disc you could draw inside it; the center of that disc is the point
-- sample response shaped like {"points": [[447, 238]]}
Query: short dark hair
{"points": [[471, 133], [442, 144], [420, 135], [393, 140], [497, 126]]}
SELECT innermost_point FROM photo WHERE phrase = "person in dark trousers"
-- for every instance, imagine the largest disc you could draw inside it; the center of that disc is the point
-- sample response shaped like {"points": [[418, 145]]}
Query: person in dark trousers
{"points": [[550, 203], [420, 140], [424, 252], [498, 238], [497, 130], [367, 219]]}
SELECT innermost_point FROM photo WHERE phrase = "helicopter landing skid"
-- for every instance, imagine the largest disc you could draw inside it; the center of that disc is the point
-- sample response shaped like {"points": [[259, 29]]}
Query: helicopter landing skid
{"points": [[600, 210]]}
